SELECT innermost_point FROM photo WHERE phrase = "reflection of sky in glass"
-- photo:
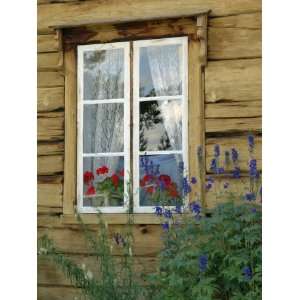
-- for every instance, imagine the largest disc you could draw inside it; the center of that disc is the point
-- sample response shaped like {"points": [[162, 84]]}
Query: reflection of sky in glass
{"points": [[168, 165], [161, 125]]}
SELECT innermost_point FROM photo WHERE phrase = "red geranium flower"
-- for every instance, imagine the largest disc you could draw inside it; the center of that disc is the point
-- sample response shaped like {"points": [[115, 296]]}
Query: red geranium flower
{"points": [[150, 190], [102, 170], [172, 190], [91, 190], [166, 179], [115, 180], [88, 177]]}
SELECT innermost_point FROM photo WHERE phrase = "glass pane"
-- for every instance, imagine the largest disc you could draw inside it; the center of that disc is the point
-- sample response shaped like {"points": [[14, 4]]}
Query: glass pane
{"points": [[103, 128], [160, 125], [160, 71], [103, 181], [160, 179], [103, 74]]}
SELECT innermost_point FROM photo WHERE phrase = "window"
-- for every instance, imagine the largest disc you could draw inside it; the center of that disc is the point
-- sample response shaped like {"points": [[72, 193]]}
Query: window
{"points": [[108, 148]]}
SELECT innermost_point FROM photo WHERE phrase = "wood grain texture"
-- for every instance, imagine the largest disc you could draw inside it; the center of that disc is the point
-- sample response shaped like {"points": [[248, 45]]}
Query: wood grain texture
{"points": [[49, 61], [50, 99], [117, 11], [147, 239], [49, 195], [50, 148], [242, 109], [50, 126], [48, 210], [50, 79], [246, 21], [233, 80], [48, 43], [48, 165], [233, 43], [58, 293], [231, 125], [240, 144]]}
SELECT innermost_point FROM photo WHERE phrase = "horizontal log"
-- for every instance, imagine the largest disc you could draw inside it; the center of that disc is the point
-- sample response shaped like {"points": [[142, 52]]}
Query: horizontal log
{"points": [[147, 239], [50, 126], [49, 61], [48, 43], [247, 21], [49, 195], [237, 188], [243, 109], [117, 11], [44, 148], [233, 43], [231, 125], [50, 99], [50, 179], [59, 293], [235, 80], [50, 274], [48, 165], [240, 144], [55, 1], [49, 210], [50, 79]]}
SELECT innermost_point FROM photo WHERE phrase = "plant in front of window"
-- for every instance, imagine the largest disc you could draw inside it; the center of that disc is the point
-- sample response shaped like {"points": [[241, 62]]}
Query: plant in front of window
{"points": [[109, 277], [108, 191]]}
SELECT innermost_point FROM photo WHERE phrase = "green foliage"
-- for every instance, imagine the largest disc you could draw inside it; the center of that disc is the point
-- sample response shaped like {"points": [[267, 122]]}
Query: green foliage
{"points": [[230, 239], [110, 282]]}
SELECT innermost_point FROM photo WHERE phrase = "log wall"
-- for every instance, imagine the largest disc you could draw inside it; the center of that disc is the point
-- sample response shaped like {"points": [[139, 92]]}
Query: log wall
{"points": [[232, 109]]}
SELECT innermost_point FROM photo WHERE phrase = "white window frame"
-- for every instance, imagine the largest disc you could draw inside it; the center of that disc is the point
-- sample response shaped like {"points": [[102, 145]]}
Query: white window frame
{"points": [[136, 115], [80, 109]]}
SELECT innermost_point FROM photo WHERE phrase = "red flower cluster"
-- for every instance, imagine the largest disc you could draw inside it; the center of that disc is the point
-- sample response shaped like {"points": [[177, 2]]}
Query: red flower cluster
{"points": [[88, 177], [102, 170], [91, 191]]}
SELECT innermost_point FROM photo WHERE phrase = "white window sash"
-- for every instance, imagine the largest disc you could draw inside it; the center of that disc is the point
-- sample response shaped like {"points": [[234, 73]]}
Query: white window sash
{"points": [[81, 102], [136, 114]]}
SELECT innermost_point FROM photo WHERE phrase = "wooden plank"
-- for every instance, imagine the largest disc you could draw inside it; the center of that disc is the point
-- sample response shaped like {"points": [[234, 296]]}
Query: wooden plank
{"points": [[49, 61], [50, 274], [49, 210], [240, 144], [218, 194], [58, 293], [242, 109], [231, 125], [117, 11], [235, 80], [119, 32], [50, 79], [48, 148], [247, 21], [196, 115], [48, 43], [70, 132], [233, 43], [49, 195], [50, 179], [50, 99], [147, 239], [48, 165], [50, 126]]}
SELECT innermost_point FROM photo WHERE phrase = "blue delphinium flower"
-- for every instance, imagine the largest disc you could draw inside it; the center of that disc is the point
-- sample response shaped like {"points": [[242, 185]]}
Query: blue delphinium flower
{"points": [[193, 180], [167, 213], [247, 272], [226, 185], [210, 179], [195, 207], [220, 171], [250, 197], [178, 209], [158, 210], [252, 168], [234, 155], [213, 165], [253, 210], [251, 142], [216, 151], [208, 186], [186, 187], [165, 226], [203, 261], [236, 172]]}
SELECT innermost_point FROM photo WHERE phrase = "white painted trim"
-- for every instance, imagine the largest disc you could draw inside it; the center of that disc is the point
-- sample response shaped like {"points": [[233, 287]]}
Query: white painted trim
{"points": [[126, 154], [160, 152], [136, 100]]}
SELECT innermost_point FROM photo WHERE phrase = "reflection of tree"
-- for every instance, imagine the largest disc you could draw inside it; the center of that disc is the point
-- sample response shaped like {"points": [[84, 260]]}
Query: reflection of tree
{"points": [[170, 90], [164, 142]]}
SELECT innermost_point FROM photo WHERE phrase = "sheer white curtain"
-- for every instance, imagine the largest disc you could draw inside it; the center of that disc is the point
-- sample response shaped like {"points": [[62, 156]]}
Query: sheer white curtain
{"points": [[164, 64]]}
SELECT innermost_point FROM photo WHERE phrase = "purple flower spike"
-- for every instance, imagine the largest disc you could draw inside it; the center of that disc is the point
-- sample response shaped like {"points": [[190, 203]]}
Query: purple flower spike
{"points": [[217, 151], [203, 261], [165, 226], [251, 142], [247, 272], [250, 197], [234, 155], [193, 180]]}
